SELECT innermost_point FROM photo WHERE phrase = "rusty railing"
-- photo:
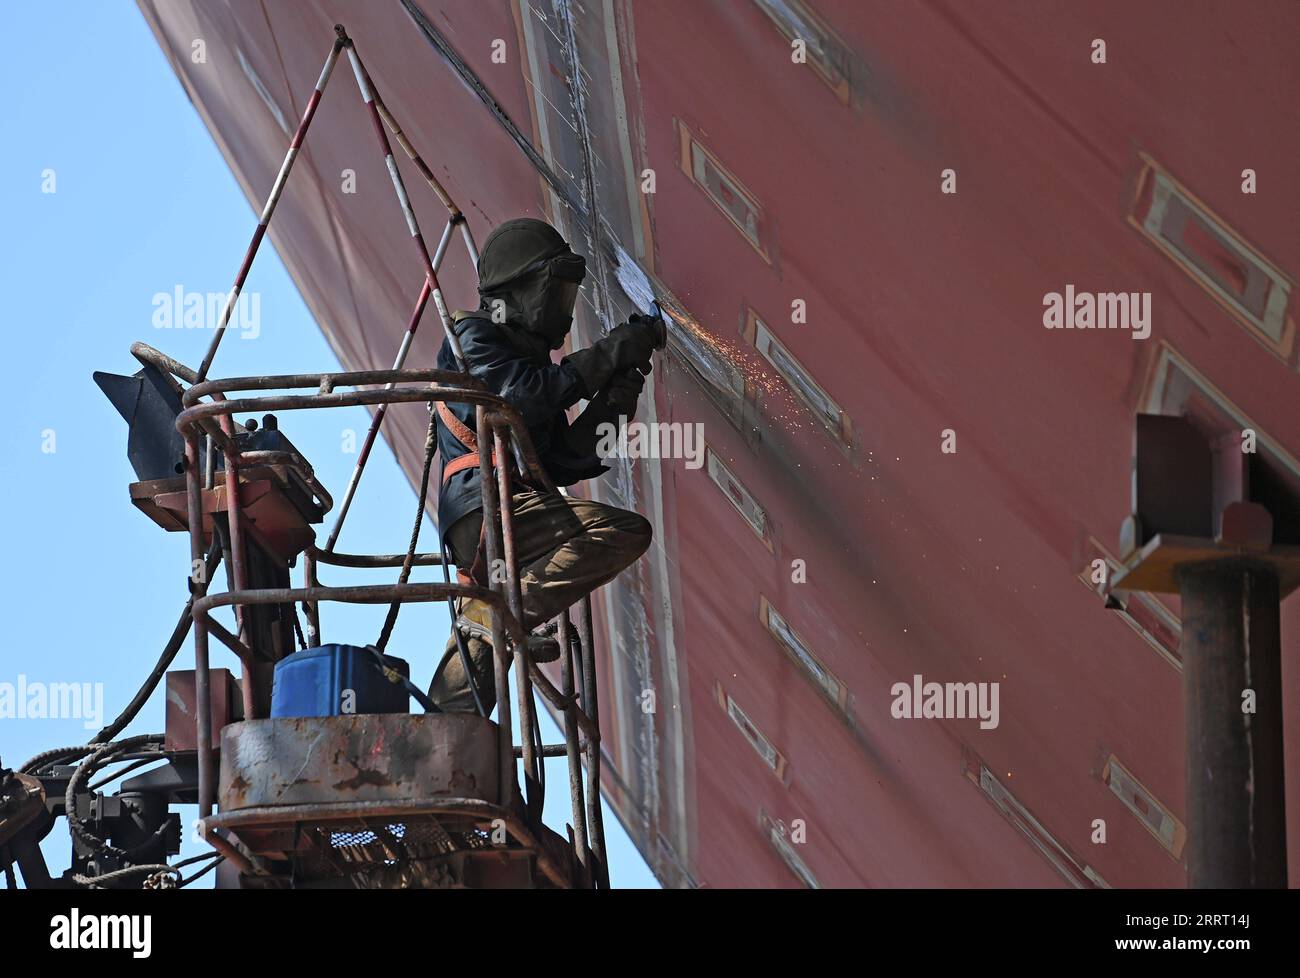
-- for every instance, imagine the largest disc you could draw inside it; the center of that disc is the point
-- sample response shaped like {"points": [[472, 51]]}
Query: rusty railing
{"points": [[498, 427]]}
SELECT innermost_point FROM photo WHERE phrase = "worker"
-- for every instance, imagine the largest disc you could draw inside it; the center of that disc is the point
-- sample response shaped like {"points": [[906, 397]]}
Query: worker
{"points": [[565, 547]]}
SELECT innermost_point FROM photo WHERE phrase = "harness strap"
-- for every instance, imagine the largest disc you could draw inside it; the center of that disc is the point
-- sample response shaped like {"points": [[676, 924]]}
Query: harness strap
{"points": [[457, 427], [463, 435], [462, 462]]}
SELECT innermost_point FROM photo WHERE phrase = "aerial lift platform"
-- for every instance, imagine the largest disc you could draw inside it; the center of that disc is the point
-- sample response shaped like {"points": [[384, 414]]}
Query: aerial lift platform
{"points": [[369, 800]]}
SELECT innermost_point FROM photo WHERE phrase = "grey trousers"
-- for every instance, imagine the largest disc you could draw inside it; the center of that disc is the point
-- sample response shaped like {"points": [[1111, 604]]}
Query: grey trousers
{"points": [[565, 549]]}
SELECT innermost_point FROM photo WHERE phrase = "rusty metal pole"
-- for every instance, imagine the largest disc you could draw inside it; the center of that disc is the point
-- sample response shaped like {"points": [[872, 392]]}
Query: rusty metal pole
{"points": [[413, 324], [514, 599], [311, 608], [202, 688], [1231, 649], [370, 94], [491, 547], [591, 706], [238, 569], [469, 240], [571, 742], [457, 217]]}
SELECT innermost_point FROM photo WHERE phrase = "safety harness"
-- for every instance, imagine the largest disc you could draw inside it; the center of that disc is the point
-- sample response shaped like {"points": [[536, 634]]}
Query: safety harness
{"points": [[477, 571], [463, 435]]}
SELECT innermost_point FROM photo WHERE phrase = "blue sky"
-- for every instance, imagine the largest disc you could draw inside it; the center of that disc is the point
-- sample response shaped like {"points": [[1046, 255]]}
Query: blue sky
{"points": [[142, 203]]}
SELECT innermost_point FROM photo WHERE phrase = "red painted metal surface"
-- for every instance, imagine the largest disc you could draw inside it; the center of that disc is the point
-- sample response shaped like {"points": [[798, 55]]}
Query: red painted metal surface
{"points": [[924, 313]]}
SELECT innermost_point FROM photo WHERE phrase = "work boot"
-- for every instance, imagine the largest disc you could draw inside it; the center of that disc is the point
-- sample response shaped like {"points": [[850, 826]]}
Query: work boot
{"points": [[474, 618], [450, 688]]}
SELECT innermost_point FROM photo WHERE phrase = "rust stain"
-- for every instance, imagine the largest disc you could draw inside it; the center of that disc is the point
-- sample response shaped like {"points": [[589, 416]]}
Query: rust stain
{"points": [[462, 782], [363, 777], [239, 786]]}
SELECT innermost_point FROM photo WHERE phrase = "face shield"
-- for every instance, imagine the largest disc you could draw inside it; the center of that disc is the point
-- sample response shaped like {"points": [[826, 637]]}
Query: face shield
{"points": [[559, 279], [564, 297], [527, 267]]}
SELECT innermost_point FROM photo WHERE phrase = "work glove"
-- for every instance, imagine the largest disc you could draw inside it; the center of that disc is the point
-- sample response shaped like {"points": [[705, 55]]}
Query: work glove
{"points": [[632, 343], [623, 391], [628, 345], [649, 330], [612, 404]]}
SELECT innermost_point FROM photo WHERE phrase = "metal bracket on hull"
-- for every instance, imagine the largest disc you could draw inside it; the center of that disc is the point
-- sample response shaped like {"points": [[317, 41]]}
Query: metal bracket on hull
{"points": [[1213, 525]]}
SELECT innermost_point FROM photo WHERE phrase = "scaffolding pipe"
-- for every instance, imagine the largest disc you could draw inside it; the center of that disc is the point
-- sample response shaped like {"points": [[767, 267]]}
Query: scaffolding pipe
{"points": [[199, 588], [264, 221], [491, 548], [571, 743], [514, 599], [399, 187], [457, 216], [238, 568], [591, 711], [412, 325], [311, 608]]}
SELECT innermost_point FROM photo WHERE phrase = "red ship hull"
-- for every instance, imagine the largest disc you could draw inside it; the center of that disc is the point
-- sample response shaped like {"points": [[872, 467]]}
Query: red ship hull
{"points": [[831, 548]]}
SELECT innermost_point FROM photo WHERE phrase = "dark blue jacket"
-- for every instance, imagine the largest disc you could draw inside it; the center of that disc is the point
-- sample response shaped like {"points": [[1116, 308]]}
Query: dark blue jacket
{"points": [[516, 365]]}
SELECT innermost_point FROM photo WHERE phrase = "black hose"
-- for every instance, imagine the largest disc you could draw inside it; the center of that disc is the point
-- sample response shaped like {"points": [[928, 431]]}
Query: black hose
{"points": [[34, 764], [194, 859], [186, 881], [134, 764], [87, 767], [173, 646]]}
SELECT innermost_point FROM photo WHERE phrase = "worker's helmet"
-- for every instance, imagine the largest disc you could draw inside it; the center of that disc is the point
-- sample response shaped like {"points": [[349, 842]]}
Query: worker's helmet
{"points": [[529, 266]]}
